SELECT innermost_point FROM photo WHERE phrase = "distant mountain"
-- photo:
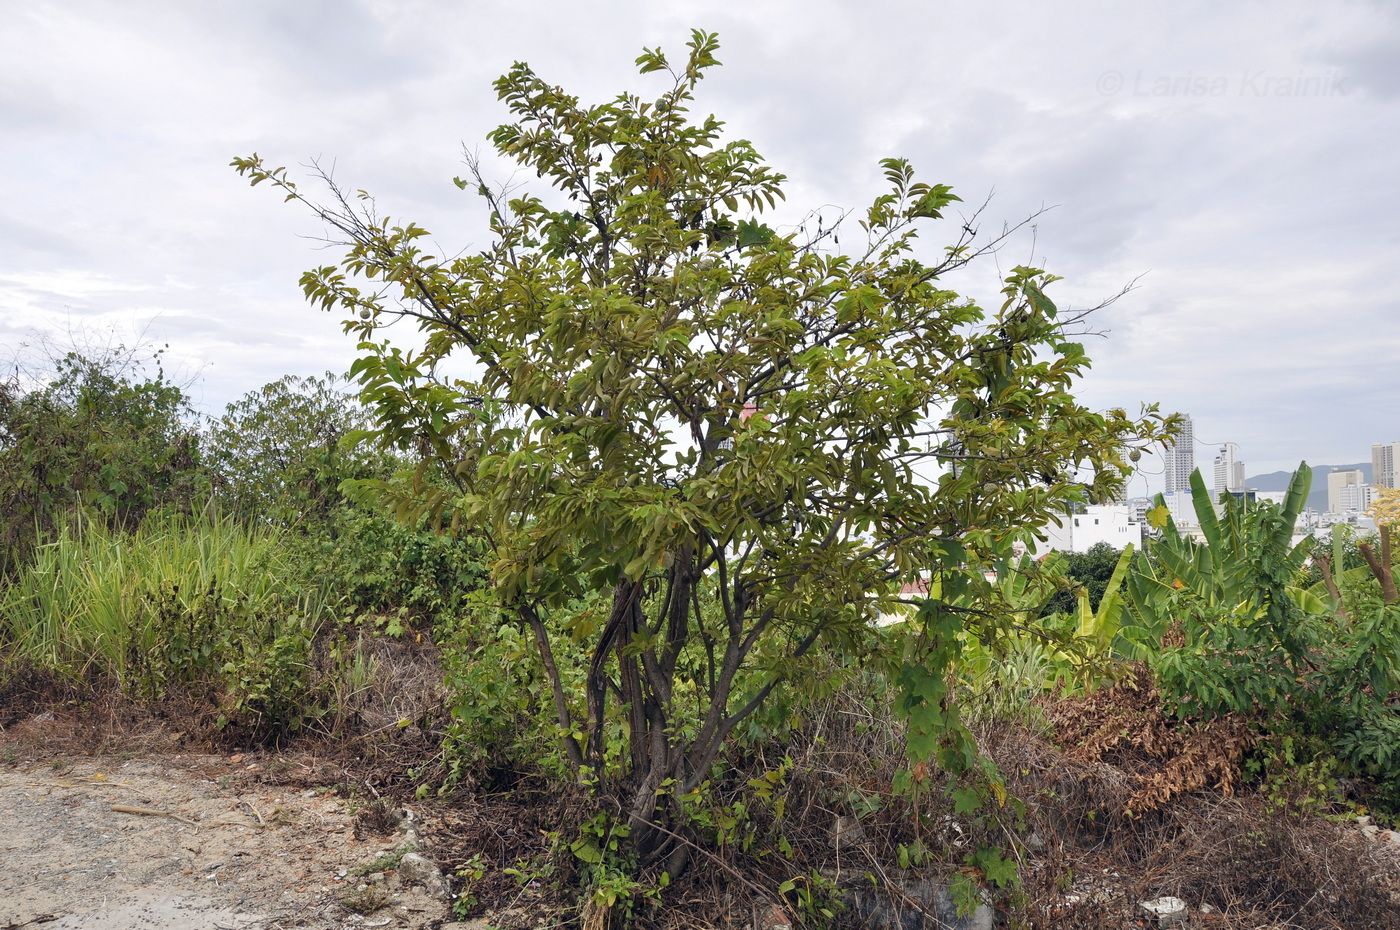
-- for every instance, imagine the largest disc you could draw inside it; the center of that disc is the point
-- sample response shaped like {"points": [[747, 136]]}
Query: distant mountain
{"points": [[1317, 496]]}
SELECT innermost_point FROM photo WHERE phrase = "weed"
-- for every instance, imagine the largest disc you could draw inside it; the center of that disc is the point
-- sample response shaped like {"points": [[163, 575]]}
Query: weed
{"points": [[384, 861], [377, 818], [469, 873]]}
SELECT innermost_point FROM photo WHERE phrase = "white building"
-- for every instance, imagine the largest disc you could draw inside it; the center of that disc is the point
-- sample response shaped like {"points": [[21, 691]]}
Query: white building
{"points": [[1099, 523], [1181, 507], [1385, 464], [1355, 497], [1229, 469], [1341, 485], [1179, 457], [1321, 527]]}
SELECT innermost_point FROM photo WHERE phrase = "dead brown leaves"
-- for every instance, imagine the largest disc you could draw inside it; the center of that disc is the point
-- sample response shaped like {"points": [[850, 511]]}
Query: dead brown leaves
{"points": [[1126, 726]]}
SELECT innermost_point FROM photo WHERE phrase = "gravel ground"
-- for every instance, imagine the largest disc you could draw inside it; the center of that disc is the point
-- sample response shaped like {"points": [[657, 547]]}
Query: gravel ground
{"points": [[214, 849]]}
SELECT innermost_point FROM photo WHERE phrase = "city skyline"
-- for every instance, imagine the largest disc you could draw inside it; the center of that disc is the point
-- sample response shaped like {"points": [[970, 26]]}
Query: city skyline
{"points": [[1150, 477], [1347, 489]]}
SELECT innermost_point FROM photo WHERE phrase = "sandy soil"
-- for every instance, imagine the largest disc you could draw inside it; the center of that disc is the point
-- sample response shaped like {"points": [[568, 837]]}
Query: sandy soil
{"points": [[227, 852]]}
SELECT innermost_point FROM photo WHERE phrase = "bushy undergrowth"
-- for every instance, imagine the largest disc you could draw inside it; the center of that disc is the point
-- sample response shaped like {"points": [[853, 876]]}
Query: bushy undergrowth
{"points": [[398, 574], [1229, 630], [106, 433], [146, 555]]}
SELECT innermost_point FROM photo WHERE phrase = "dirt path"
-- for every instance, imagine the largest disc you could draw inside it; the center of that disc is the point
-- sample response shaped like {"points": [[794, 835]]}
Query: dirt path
{"points": [[229, 853]]}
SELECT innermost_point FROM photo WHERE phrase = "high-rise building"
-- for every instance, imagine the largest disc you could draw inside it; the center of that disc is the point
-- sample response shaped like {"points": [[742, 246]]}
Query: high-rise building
{"points": [[1356, 497], [1182, 506], [1385, 464], [1180, 458], [1229, 470], [1340, 484]]}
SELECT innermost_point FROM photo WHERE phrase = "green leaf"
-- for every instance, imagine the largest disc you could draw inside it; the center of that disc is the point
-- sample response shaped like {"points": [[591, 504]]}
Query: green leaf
{"points": [[999, 870], [966, 800], [585, 850], [751, 234]]}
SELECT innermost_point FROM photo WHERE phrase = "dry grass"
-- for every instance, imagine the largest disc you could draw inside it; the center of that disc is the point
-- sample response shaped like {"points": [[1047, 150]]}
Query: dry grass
{"points": [[1122, 805], [1130, 807]]}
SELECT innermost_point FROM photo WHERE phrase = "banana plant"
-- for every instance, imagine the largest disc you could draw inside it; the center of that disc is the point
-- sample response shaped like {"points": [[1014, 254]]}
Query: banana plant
{"points": [[1244, 561], [1059, 655], [1021, 589], [1100, 627]]}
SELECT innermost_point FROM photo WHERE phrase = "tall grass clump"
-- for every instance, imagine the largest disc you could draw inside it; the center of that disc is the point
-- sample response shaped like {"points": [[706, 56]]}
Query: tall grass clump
{"points": [[180, 601]]}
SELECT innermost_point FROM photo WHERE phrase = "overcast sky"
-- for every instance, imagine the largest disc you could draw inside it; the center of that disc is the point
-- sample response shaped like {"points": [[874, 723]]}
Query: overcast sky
{"points": [[1243, 162]]}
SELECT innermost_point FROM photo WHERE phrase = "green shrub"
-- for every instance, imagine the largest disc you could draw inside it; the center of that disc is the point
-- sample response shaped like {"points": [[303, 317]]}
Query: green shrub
{"points": [[279, 453], [381, 567], [1089, 571], [282, 459], [1295, 774]]}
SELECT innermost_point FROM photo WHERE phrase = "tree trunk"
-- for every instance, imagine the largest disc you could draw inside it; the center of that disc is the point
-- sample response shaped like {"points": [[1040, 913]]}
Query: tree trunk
{"points": [[1324, 565], [1380, 567]]}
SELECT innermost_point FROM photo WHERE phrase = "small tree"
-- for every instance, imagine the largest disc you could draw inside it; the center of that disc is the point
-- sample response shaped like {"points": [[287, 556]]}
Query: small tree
{"points": [[1091, 572], [278, 451], [742, 439]]}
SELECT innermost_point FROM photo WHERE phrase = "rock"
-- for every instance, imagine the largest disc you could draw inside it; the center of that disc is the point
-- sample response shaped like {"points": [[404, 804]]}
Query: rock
{"points": [[1167, 910], [1370, 831], [410, 828], [416, 869], [847, 832], [1363, 821], [882, 911], [1034, 842], [1391, 837], [772, 918]]}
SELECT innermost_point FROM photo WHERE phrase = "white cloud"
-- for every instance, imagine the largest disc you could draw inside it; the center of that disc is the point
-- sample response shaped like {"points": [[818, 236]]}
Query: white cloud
{"points": [[1264, 223]]}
